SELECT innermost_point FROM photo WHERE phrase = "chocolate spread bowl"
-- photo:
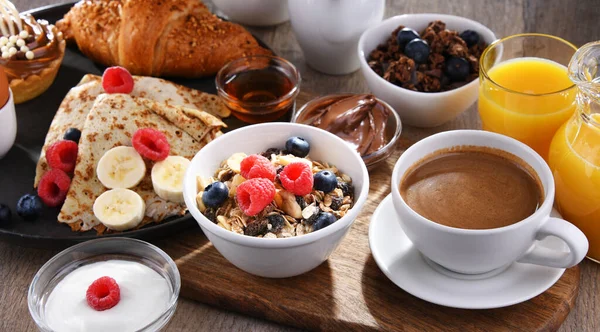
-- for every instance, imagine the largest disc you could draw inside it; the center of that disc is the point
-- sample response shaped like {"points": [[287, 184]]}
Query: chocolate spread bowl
{"points": [[381, 131]]}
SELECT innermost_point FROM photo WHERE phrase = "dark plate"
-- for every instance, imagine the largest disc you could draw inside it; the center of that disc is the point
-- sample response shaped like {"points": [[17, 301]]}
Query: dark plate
{"points": [[17, 168]]}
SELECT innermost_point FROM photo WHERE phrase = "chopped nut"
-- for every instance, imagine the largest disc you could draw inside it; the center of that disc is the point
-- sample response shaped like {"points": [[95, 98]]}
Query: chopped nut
{"points": [[270, 236], [202, 182], [200, 203], [225, 175], [235, 182], [309, 211], [235, 160], [327, 200], [289, 204]]}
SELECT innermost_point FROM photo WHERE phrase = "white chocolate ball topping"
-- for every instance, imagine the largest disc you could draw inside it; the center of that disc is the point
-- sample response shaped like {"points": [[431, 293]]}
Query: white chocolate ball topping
{"points": [[12, 51], [29, 55], [24, 49], [24, 34], [3, 41], [12, 39], [5, 55], [4, 49], [20, 42]]}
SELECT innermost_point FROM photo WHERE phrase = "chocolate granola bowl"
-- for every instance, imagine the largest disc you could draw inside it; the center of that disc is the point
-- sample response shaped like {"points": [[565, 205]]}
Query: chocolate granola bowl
{"points": [[282, 237], [421, 90]]}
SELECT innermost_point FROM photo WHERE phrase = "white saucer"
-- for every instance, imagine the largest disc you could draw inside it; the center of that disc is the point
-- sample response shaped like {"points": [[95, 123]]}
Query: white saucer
{"points": [[404, 265]]}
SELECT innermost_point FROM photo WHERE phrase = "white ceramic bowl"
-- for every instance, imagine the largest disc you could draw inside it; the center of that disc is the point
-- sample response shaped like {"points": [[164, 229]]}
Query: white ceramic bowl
{"points": [[8, 119], [280, 257], [255, 12], [420, 109]]}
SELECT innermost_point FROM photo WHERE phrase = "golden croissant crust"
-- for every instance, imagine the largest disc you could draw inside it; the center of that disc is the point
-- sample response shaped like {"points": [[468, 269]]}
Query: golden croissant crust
{"points": [[156, 37]]}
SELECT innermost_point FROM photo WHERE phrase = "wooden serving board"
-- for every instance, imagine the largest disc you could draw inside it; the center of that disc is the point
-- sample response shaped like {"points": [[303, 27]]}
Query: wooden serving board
{"points": [[349, 292]]}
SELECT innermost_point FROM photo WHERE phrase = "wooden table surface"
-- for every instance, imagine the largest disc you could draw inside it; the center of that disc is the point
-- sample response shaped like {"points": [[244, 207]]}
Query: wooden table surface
{"points": [[574, 20]]}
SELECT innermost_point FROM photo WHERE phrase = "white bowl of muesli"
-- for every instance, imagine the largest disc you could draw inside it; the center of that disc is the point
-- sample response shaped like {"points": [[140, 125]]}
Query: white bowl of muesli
{"points": [[276, 199]]}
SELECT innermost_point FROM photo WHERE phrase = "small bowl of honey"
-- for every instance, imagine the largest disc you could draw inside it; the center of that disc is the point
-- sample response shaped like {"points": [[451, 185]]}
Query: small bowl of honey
{"points": [[259, 88]]}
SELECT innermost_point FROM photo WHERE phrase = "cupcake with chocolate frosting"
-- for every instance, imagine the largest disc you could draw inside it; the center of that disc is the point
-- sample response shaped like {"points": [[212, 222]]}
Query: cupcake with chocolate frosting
{"points": [[31, 52]]}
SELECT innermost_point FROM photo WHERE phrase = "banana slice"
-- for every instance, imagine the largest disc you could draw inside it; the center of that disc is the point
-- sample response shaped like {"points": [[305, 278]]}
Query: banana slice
{"points": [[235, 160], [167, 178], [290, 158], [119, 209], [121, 167]]}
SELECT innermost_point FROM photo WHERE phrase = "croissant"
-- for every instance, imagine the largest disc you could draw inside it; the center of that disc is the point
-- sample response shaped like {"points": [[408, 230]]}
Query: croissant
{"points": [[156, 37]]}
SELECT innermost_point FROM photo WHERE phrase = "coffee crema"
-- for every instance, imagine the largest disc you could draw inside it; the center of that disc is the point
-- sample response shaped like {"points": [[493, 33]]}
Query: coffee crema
{"points": [[472, 187]]}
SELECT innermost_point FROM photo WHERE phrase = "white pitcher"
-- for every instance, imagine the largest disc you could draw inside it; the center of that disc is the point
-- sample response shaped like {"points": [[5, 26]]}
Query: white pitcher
{"points": [[328, 31]]}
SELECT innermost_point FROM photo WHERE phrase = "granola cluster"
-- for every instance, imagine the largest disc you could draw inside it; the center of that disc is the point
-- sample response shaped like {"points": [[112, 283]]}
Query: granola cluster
{"points": [[390, 61], [287, 215]]}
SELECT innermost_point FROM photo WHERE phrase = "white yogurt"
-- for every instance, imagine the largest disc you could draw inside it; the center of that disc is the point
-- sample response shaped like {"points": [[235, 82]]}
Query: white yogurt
{"points": [[145, 295]]}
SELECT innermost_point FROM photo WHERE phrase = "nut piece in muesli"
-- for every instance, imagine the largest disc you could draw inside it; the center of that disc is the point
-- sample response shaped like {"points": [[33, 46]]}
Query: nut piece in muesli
{"points": [[435, 60], [275, 194]]}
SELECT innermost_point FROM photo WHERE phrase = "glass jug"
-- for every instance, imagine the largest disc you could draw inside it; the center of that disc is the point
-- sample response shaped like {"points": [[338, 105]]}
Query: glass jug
{"points": [[575, 150]]}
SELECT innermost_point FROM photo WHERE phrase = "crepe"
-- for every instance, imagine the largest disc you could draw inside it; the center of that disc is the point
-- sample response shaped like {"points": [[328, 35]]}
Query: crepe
{"points": [[77, 103], [111, 122]]}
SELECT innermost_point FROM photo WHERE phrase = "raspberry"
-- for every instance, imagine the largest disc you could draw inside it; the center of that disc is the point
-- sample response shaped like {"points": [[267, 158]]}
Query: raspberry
{"points": [[151, 143], [104, 293], [117, 80], [53, 187], [62, 155], [257, 166], [254, 195], [297, 178]]}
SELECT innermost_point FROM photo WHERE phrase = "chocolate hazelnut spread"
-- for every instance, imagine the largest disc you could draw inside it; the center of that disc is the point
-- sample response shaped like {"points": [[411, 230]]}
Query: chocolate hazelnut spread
{"points": [[472, 188], [358, 119], [41, 40]]}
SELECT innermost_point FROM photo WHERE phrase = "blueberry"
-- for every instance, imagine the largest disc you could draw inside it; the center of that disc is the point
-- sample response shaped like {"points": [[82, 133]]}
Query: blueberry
{"points": [[470, 37], [29, 207], [325, 181], [457, 69], [4, 213], [405, 35], [418, 50], [72, 134], [297, 146], [215, 194], [324, 219]]}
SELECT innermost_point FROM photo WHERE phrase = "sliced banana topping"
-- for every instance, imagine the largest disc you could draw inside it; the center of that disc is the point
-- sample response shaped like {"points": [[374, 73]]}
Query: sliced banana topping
{"points": [[121, 167], [167, 178], [235, 160], [285, 160], [119, 209]]}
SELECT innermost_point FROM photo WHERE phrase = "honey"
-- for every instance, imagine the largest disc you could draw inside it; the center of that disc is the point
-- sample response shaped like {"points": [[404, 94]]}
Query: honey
{"points": [[259, 89]]}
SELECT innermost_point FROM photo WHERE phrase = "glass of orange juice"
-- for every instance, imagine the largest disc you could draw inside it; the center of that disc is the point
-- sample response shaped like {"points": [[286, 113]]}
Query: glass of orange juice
{"points": [[524, 90], [575, 151]]}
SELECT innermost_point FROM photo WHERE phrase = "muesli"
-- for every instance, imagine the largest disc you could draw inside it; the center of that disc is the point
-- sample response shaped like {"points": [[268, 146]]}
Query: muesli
{"points": [[276, 194]]}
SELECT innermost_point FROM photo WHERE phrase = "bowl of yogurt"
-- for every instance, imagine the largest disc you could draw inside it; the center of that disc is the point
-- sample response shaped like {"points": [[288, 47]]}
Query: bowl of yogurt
{"points": [[147, 279]]}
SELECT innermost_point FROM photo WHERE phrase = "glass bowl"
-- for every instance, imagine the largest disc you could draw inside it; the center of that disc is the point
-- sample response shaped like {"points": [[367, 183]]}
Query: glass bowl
{"points": [[259, 88], [393, 127], [96, 251]]}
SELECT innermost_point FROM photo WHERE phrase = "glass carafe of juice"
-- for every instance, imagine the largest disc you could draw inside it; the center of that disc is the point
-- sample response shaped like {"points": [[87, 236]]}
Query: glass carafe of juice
{"points": [[575, 150]]}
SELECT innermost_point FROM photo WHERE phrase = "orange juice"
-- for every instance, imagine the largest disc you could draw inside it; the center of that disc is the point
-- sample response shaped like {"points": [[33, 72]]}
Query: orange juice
{"points": [[528, 99], [575, 161]]}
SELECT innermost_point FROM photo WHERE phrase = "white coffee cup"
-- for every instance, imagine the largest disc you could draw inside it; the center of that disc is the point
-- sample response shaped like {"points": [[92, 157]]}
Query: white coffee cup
{"points": [[8, 120], [328, 31], [470, 251]]}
